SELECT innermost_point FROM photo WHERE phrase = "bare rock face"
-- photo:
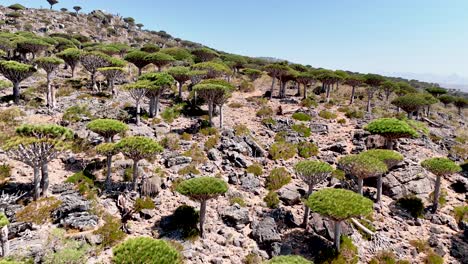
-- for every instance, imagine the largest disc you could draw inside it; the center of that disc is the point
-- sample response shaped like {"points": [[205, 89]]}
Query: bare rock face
{"points": [[407, 180], [265, 231], [73, 212], [80, 220], [235, 215]]}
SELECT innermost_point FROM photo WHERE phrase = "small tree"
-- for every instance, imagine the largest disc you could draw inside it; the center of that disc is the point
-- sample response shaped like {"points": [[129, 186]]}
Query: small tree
{"points": [[339, 205], [306, 79], [390, 158], [354, 81], [92, 61], [150, 48], [107, 128], [460, 103], [52, 2], [137, 91], [391, 129], [16, 72], [4, 244], [328, 78], [410, 102], [446, 99], [111, 74], [389, 87], [374, 81], [160, 59], [275, 71], [440, 167], [202, 189], [138, 58], [181, 75], [362, 167], [204, 54], [108, 150], [436, 91], [180, 54], [138, 148], [253, 74], [223, 98], [71, 56], [211, 92], [31, 45], [290, 259], [145, 250], [160, 82], [77, 9], [312, 173], [212, 69], [50, 65], [36, 146]]}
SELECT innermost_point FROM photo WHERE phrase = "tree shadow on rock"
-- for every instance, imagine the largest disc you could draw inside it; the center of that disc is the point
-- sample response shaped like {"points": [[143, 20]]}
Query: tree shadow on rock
{"points": [[181, 225]]}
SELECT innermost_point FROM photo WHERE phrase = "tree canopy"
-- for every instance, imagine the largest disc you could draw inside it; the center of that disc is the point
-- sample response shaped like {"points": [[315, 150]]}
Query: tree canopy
{"points": [[362, 166], [391, 128], [145, 250], [290, 259], [138, 147], [202, 188], [440, 166], [107, 128], [389, 157]]}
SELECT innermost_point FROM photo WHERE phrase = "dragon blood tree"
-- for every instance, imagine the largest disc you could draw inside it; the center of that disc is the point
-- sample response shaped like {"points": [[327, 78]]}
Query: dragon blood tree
{"points": [[108, 150], [202, 189], [312, 173], [391, 129], [440, 167], [339, 205], [362, 167], [16, 72], [107, 128]]}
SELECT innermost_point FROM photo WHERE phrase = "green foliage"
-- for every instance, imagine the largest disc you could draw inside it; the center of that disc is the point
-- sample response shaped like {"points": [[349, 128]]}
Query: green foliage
{"points": [[307, 149], [446, 99], [5, 84], [107, 128], [145, 250], [253, 74], [64, 250], [436, 91], [189, 169], [150, 48], [339, 204], [110, 232], [386, 257], [211, 142], [460, 213], [410, 102], [38, 212], [178, 53], [418, 126], [241, 130], [3, 220], [17, 7], [391, 128], [138, 58], [202, 188], [256, 169], [442, 197], [354, 113], [440, 166], [209, 131], [389, 157], [5, 172], [282, 150], [264, 111], [246, 87], [272, 200], [362, 166], [204, 54], [16, 71], [170, 142], [84, 181], [302, 129], [433, 258], [196, 153], [128, 174], [301, 116], [76, 113], [138, 147], [309, 102], [278, 178], [237, 200], [159, 59], [339, 174], [48, 63], [327, 114], [348, 253], [412, 204], [290, 259], [144, 203], [311, 168]]}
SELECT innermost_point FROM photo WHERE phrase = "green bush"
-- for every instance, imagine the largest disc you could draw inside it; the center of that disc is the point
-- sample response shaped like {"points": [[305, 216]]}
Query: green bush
{"points": [[246, 87], [211, 142], [196, 153], [339, 174], [186, 136], [76, 113], [301, 116], [144, 203], [65, 250], [145, 250], [354, 113], [128, 174], [264, 111], [327, 114], [290, 259], [341, 121], [170, 142], [272, 200], [278, 178], [433, 258], [237, 200], [281, 136], [38, 212], [420, 245], [110, 232], [282, 150], [241, 130], [460, 213], [209, 131], [309, 102], [412, 204], [189, 169], [418, 126], [301, 129], [348, 253], [307, 149], [5, 172], [3, 220], [386, 257], [269, 121], [255, 168]]}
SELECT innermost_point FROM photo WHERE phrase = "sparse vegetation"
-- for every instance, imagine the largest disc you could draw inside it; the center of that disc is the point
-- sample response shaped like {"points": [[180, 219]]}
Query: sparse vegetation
{"points": [[256, 169]]}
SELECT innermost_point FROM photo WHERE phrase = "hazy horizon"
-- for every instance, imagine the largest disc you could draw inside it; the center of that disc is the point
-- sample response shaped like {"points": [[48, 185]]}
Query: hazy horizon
{"points": [[420, 38]]}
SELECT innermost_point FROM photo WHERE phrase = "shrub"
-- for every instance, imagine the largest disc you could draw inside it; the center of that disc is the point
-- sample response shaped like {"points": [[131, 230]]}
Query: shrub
{"points": [[307, 149], [196, 153], [341, 121], [3, 220], [418, 126], [189, 169], [145, 250], [301, 116], [278, 178], [256, 169], [268, 121], [308, 102], [282, 150], [209, 131], [170, 142], [237, 200], [211, 142], [76, 113], [327, 114], [64, 250], [38, 212], [420, 245], [384, 257], [128, 174], [146, 203], [281, 136], [354, 113], [251, 258], [460, 213], [272, 200], [339, 174], [433, 258], [5, 172], [246, 87], [241, 130], [302, 129], [110, 232], [412, 204], [186, 136], [264, 111], [236, 105], [290, 259], [347, 255]]}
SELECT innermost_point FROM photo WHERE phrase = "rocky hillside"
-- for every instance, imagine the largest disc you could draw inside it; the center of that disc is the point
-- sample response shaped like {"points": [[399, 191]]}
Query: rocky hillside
{"points": [[253, 151]]}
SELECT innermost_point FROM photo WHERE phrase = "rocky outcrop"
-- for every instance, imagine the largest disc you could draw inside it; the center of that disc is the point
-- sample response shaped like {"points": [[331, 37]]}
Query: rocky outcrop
{"points": [[235, 216], [409, 179]]}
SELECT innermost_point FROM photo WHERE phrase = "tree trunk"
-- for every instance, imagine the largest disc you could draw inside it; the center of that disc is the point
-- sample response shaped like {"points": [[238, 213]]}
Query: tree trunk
{"points": [[4, 241], [16, 92], [305, 91], [435, 202], [181, 84], [210, 113], [379, 189], [369, 98], [135, 175], [52, 96], [159, 68], [353, 91], [44, 179], [72, 71], [272, 87], [151, 106], [389, 143], [298, 87], [49, 92], [328, 93], [221, 116], [459, 111], [305, 221], [93, 81], [337, 235], [138, 113], [139, 71], [202, 217], [108, 173], [156, 105], [360, 183], [409, 114], [36, 183], [112, 87]]}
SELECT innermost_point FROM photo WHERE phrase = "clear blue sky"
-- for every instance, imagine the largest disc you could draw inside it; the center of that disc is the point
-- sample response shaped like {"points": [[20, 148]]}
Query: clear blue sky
{"points": [[417, 36]]}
